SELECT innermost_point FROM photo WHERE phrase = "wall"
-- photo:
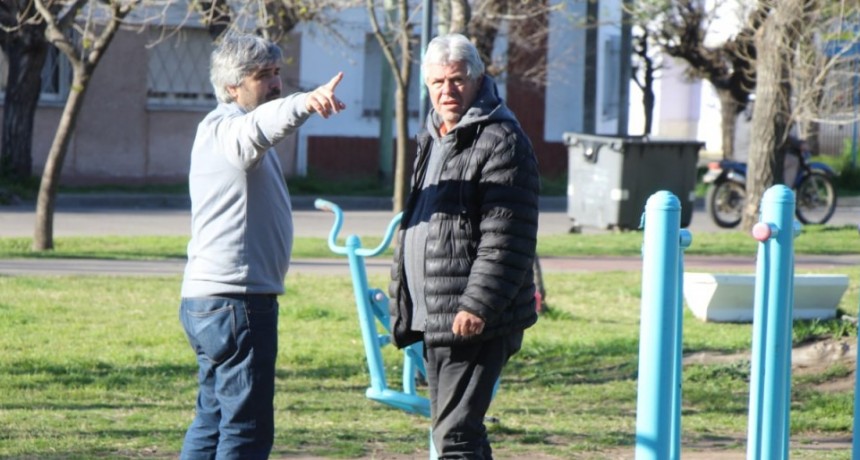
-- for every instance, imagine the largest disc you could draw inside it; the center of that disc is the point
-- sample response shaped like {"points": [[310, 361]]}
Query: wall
{"points": [[120, 139]]}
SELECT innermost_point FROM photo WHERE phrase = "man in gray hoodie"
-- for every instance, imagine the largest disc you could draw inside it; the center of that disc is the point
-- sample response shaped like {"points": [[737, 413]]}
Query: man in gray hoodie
{"points": [[241, 239], [462, 279]]}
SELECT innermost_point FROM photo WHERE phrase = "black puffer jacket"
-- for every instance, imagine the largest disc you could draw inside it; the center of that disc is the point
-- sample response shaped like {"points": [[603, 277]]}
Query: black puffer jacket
{"points": [[483, 231]]}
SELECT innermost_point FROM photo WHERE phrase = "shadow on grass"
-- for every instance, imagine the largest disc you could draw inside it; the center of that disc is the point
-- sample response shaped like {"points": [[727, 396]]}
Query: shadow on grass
{"points": [[550, 364], [31, 375]]}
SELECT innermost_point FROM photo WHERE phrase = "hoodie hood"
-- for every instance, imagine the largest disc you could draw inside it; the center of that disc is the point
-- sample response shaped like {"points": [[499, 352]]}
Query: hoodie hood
{"points": [[487, 106]]}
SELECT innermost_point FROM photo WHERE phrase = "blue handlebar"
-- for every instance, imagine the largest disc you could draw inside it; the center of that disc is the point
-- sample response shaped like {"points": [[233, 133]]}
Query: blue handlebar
{"points": [[325, 205]]}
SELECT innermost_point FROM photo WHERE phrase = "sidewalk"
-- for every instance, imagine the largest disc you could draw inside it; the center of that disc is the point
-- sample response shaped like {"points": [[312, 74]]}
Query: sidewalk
{"points": [[382, 266], [161, 215]]}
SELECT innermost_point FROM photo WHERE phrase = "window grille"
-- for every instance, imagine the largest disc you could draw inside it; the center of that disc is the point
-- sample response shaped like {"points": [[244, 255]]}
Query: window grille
{"points": [[179, 70]]}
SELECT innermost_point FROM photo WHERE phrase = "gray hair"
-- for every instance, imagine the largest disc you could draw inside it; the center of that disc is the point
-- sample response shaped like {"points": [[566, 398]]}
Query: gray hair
{"points": [[447, 49], [236, 57]]}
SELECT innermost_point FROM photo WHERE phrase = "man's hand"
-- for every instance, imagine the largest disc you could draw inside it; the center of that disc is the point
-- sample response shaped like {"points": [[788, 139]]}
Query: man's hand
{"points": [[467, 324], [323, 101]]}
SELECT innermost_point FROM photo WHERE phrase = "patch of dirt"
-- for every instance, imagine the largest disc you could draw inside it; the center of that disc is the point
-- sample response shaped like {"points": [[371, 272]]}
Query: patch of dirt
{"points": [[808, 359]]}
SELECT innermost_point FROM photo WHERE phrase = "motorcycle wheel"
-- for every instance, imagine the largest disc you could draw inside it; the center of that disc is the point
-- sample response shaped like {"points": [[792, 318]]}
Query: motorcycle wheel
{"points": [[725, 203], [816, 198]]}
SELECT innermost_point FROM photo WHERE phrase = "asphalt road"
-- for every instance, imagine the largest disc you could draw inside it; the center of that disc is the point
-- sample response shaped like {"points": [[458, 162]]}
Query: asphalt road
{"points": [[360, 217], [364, 218]]}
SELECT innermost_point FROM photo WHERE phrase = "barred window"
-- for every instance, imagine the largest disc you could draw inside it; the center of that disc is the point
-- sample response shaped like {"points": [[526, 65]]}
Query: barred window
{"points": [[179, 70]]}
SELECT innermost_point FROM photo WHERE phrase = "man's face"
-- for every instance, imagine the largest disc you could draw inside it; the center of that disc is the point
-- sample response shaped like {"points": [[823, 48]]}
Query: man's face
{"points": [[451, 91], [260, 86]]}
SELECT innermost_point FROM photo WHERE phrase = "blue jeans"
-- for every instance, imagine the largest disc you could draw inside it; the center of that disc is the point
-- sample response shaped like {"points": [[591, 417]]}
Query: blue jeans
{"points": [[235, 338]]}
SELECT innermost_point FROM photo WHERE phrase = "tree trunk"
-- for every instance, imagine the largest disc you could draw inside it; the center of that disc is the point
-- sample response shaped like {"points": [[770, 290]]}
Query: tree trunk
{"points": [[811, 133], [483, 32], [43, 236], [401, 106], [809, 129], [25, 54], [453, 16], [768, 133], [729, 112], [649, 100], [401, 182], [461, 15], [443, 16]]}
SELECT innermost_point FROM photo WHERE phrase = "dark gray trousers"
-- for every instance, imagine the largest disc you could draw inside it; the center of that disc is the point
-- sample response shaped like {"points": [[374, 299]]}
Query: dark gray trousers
{"points": [[461, 381]]}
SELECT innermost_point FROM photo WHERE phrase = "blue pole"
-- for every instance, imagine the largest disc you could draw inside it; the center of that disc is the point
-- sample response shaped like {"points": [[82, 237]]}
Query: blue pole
{"points": [[370, 338], [760, 313], [777, 231], [685, 239], [658, 381]]}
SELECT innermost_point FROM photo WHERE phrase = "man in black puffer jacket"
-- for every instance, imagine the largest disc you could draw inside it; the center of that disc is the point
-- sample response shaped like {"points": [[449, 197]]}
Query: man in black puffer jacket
{"points": [[462, 278]]}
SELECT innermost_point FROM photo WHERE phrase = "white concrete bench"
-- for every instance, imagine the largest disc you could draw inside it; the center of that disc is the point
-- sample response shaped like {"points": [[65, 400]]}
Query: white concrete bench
{"points": [[731, 297]]}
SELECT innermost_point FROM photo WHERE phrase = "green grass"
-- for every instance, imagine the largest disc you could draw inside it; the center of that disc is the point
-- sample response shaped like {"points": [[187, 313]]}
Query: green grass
{"points": [[99, 367], [115, 378], [814, 239]]}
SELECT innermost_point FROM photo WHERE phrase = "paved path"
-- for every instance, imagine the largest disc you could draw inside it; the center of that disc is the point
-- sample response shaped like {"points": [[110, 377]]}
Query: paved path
{"points": [[157, 216], [366, 216]]}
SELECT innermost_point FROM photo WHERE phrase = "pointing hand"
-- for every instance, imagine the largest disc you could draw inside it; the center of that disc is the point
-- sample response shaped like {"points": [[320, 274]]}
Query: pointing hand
{"points": [[323, 101]]}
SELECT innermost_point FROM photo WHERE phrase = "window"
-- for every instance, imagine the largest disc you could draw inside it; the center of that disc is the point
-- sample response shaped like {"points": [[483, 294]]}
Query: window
{"points": [[56, 76], [374, 61], [611, 75], [179, 70]]}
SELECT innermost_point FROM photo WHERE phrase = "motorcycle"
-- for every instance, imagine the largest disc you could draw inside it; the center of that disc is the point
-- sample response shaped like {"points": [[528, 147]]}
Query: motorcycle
{"points": [[812, 182]]}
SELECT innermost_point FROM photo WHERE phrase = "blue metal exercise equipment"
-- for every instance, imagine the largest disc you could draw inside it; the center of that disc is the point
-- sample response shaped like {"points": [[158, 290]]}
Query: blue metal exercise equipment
{"points": [[372, 304]]}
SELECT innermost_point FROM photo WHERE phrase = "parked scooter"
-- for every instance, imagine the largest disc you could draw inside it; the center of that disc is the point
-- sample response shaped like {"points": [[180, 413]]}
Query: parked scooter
{"points": [[811, 181]]}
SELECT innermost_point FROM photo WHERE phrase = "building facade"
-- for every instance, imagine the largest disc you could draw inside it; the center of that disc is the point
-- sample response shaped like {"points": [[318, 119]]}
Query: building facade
{"points": [[151, 90]]}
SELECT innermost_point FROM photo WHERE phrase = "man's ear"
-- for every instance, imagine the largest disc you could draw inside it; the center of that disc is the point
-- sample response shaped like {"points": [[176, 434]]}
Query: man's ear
{"points": [[233, 91]]}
